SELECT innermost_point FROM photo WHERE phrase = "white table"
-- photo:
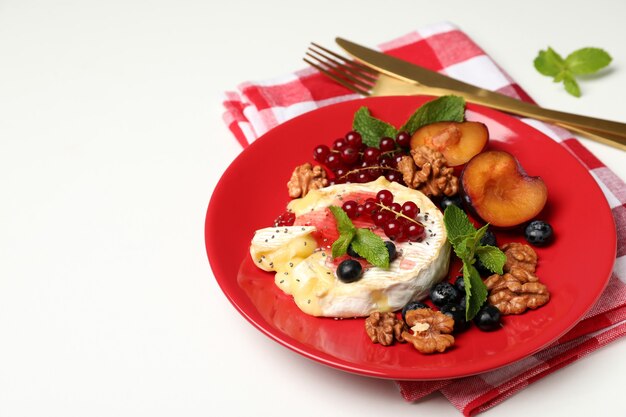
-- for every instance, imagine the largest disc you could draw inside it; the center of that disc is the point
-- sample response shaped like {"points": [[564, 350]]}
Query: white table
{"points": [[111, 142]]}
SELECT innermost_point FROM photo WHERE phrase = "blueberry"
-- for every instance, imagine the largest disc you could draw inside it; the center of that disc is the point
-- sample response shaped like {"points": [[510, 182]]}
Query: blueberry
{"points": [[489, 239], [412, 305], [458, 315], [488, 318], [391, 248], [444, 293], [446, 201], [538, 233], [462, 302], [352, 253], [349, 271], [459, 283]]}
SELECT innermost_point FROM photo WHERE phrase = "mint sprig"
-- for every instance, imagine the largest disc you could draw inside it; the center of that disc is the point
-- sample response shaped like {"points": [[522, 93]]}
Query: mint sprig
{"points": [[443, 109], [371, 128], [580, 62], [465, 240], [364, 242]]}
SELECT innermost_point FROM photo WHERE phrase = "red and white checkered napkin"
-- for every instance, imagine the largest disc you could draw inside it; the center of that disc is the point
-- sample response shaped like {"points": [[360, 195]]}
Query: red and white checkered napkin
{"points": [[257, 107]]}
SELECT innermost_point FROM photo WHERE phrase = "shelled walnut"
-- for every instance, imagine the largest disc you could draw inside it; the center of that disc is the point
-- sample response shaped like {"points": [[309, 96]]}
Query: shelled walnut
{"points": [[426, 170], [430, 330], [383, 328], [519, 255], [305, 178], [518, 289]]}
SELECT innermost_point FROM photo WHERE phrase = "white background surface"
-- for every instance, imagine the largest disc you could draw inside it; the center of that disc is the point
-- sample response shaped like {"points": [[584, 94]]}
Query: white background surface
{"points": [[111, 141]]}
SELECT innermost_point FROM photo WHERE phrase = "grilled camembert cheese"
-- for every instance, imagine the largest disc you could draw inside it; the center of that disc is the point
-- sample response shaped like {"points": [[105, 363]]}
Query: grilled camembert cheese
{"points": [[301, 255]]}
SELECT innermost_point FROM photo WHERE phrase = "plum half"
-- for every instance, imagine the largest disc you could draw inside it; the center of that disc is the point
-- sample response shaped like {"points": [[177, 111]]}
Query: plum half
{"points": [[497, 189], [457, 141]]}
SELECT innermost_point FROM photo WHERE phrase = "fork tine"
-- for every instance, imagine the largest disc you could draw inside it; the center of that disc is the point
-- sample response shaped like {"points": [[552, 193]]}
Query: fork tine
{"points": [[355, 76], [349, 62], [341, 81], [357, 70], [340, 71]]}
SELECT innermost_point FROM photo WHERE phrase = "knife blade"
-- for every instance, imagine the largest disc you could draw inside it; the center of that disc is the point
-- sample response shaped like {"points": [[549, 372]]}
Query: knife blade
{"points": [[439, 84]]}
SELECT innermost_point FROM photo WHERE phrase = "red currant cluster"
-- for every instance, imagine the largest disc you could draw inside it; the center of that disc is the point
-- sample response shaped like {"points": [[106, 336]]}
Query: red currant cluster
{"points": [[352, 161], [397, 221], [286, 219]]}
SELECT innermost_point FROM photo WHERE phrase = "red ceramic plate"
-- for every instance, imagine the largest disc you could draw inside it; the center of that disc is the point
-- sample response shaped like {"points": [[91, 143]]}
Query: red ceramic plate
{"points": [[252, 192]]}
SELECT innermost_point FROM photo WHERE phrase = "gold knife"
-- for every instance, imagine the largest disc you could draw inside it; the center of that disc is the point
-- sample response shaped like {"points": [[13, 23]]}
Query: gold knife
{"points": [[432, 83]]}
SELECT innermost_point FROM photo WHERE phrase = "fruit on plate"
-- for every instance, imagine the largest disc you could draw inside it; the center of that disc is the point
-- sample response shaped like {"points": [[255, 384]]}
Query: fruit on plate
{"points": [[457, 141], [497, 189], [538, 233], [301, 254]]}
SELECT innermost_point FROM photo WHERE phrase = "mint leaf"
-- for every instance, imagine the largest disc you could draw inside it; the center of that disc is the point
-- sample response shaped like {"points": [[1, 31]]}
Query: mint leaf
{"points": [[587, 60], [457, 225], [364, 242], [549, 62], [443, 109], [463, 246], [475, 291], [479, 235], [580, 62], [340, 246], [492, 258], [346, 231], [571, 86], [370, 246], [465, 240], [560, 76], [344, 224], [371, 128]]}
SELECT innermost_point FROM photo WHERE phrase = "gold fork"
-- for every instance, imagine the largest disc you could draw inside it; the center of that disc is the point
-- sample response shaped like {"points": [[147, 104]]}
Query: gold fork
{"points": [[366, 81]]}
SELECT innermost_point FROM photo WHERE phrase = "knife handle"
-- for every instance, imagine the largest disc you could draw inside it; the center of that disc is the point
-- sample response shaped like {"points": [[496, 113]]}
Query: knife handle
{"points": [[599, 128]]}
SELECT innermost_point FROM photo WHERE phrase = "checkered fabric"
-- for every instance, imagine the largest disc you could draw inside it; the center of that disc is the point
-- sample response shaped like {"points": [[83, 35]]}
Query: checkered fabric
{"points": [[257, 107]]}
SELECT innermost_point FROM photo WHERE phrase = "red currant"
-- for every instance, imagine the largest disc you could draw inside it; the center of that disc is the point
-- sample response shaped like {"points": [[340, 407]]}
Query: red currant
{"points": [[320, 153], [341, 171], [387, 144], [381, 217], [360, 209], [285, 219], [371, 155], [396, 207], [415, 232], [370, 205], [410, 209], [350, 207], [384, 197], [397, 158], [393, 229], [333, 161], [339, 144], [349, 155], [386, 161], [393, 176], [354, 139], [363, 176], [403, 139]]}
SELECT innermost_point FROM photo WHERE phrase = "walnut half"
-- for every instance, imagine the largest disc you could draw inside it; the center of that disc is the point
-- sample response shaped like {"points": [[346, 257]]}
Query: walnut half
{"points": [[305, 178], [519, 255], [430, 330], [428, 171], [516, 291], [384, 327]]}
